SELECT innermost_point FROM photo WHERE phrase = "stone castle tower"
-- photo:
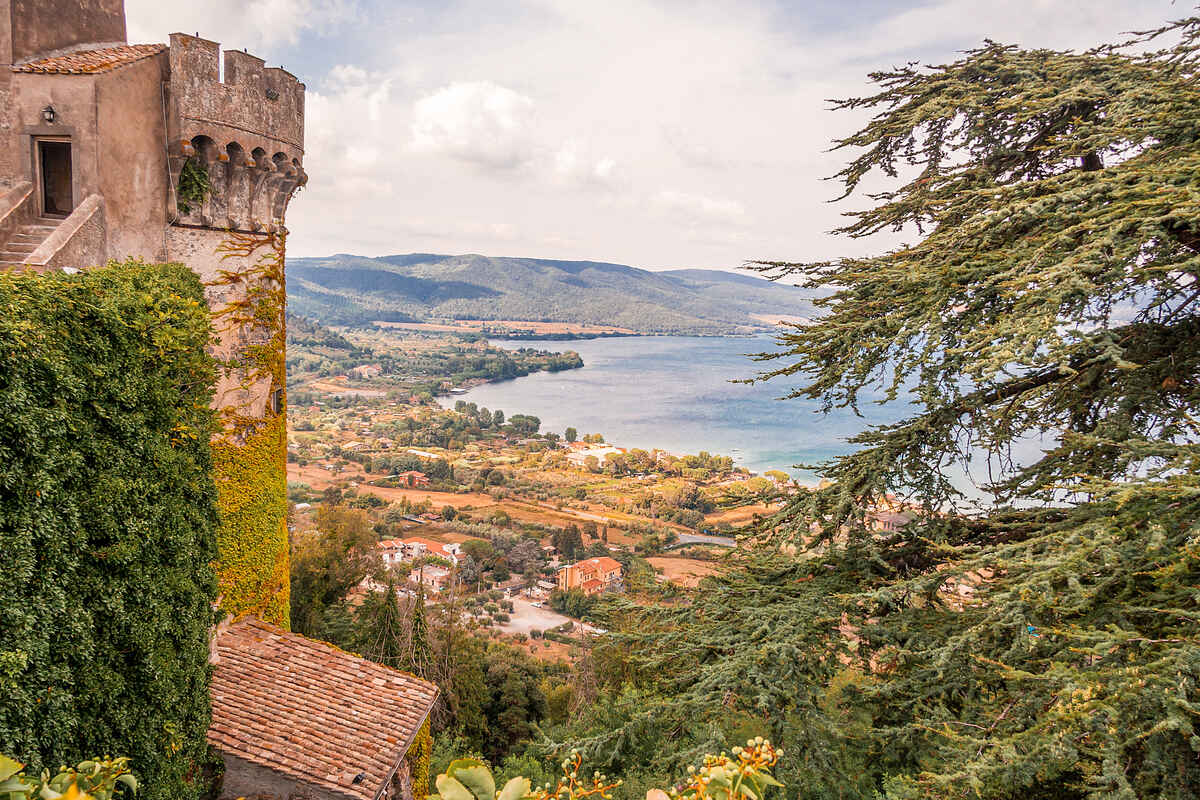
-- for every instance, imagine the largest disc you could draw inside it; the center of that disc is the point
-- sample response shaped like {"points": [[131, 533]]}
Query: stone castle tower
{"points": [[110, 150]]}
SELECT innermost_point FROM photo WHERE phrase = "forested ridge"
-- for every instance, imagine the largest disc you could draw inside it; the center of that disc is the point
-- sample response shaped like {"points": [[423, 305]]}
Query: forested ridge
{"points": [[353, 290]]}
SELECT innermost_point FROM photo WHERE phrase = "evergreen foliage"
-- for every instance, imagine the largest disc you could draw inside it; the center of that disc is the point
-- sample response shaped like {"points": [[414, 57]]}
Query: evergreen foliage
{"points": [[326, 564], [382, 632], [419, 653], [107, 520], [1047, 645]]}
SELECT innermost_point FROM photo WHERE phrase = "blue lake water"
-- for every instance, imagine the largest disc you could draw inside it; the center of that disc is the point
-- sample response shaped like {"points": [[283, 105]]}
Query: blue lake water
{"points": [[674, 393]]}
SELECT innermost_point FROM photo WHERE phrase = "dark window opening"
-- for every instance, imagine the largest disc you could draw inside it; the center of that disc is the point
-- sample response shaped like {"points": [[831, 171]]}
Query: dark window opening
{"points": [[55, 158], [277, 402]]}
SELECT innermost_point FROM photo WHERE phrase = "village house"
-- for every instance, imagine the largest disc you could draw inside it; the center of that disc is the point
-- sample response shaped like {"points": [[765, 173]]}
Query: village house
{"points": [[412, 479], [593, 576], [366, 371], [579, 456], [435, 578], [395, 551], [297, 718]]}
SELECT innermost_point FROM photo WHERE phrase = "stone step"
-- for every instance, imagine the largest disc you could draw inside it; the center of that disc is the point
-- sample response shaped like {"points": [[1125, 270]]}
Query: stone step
{"points": [[27, 238], [21, 247], [9, 256]]}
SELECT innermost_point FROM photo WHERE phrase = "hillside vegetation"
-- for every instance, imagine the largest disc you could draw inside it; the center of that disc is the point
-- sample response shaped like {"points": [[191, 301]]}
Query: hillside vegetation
{"points": [[353, 290]]}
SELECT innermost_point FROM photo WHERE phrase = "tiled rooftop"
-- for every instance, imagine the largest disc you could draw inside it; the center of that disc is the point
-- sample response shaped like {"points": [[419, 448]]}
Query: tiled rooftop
{"points": [[603, 563], [311, 711], [87, 62]]}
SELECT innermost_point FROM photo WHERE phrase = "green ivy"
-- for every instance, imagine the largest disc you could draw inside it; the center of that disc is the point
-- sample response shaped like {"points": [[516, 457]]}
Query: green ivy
{"points": [[107, 520], [194, 185]]}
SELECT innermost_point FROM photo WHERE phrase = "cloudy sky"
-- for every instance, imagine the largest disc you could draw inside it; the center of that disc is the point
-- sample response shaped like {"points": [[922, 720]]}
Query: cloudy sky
{"points": [[658, 133]]}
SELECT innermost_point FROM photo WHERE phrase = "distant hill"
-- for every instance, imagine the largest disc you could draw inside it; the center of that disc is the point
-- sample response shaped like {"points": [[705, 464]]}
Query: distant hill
{"points": [[348, 290]]}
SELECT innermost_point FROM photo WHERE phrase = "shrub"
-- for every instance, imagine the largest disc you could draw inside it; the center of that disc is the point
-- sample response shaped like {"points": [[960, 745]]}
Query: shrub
{"points": [[742, 774], [91, 780], [107, 519]]}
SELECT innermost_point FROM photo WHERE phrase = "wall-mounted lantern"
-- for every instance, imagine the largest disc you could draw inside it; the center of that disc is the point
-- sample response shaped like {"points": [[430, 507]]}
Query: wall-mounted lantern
{"points": [[49, 114]]}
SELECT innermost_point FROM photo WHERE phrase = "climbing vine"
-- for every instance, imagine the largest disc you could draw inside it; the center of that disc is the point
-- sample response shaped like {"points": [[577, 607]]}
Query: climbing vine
{"points": [[250, 453], [418, 757], [194, 185], [107, 520]]}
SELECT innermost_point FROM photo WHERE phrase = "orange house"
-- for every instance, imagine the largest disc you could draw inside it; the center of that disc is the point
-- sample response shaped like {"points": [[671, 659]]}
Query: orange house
{"points": [[593, 576]]}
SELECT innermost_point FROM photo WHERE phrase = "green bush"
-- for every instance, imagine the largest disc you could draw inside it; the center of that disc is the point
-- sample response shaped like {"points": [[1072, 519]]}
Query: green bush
{"points": [[97, 779], [107, 519]]}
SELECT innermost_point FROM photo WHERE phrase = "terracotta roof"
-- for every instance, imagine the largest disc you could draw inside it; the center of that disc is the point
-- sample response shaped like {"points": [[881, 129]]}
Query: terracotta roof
{"points": [[87, 62], [437, 548], [311, 711], [603, 563]]}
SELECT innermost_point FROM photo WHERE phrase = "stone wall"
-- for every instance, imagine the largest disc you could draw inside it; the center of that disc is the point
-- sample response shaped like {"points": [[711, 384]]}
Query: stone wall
{"points": [[78, 242], [247, 132], [44, 26], [255, 106], [131, 158], [243, 779], [8, 165]]}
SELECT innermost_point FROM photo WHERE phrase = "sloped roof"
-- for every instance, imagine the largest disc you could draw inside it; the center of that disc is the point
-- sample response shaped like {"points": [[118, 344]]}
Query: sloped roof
{"points": [[602, 563], [312, 712], [88, 62]]}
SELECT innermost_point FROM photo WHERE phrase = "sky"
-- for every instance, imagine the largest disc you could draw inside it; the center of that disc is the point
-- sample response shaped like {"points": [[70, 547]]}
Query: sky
{"points": [[656, 133]]}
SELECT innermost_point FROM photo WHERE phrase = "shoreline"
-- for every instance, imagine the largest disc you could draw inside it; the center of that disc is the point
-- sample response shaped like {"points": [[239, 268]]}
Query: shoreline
{"points": [[745, 454]]}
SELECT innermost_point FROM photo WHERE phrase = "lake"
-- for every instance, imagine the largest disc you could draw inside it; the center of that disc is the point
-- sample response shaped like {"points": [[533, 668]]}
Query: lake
{"points": [[674, 393]]}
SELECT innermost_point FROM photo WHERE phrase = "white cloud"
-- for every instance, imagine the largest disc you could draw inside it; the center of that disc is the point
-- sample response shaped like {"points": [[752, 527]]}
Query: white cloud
{"points": [[649, 132], [478, 122], [573, 165], [236, 23], [698, 209]]}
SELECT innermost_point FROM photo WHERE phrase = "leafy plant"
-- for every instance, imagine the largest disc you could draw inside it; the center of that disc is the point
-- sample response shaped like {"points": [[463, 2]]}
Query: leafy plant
{"points": [[742, 774], [107, 519], [194, 185], [97, 779]]}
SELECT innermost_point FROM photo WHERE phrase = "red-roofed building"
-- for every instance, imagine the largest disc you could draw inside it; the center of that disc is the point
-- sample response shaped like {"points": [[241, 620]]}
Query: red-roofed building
{"points": [[592, 576], [396, 550], [293, 717], [413, 479]]}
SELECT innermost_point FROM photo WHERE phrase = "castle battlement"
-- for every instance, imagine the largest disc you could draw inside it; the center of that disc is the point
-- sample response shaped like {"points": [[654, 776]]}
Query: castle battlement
{"points": [[247, 131], [264, 106]]}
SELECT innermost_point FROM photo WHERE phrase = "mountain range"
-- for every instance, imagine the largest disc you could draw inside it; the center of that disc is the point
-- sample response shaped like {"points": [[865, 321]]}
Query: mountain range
{"points": [[347, 289]]}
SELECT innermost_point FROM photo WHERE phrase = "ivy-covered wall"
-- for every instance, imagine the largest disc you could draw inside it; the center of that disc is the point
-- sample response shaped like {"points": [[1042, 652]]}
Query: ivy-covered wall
{"points": [[107, 520], [250, 452], [253, 538], [418, 757]]}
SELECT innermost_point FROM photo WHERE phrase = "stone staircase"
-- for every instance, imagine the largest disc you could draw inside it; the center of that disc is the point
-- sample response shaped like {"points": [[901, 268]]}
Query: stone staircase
{"points": [[24, 241]]}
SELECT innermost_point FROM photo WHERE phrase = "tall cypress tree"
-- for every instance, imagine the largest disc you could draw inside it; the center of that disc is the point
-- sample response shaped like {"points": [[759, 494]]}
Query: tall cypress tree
{"points": [[381, 630], [1046, 321], [420, 655]]}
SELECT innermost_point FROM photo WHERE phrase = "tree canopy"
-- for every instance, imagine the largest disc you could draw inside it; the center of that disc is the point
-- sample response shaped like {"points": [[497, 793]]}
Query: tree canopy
{"points": [[1044, 319]]}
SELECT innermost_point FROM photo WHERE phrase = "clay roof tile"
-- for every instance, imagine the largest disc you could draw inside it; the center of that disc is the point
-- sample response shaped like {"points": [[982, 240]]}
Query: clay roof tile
{"points": [[312, 712], [89, 62]]}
